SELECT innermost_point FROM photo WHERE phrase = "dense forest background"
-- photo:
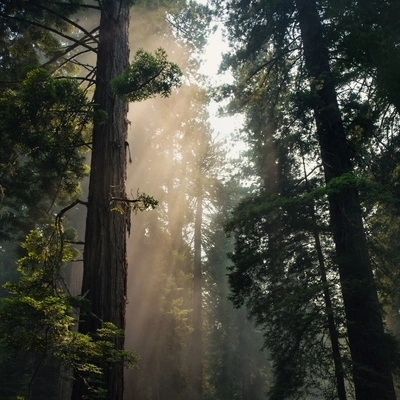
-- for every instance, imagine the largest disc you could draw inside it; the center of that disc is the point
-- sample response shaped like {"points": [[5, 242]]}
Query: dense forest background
{"points": [[142, 258]]}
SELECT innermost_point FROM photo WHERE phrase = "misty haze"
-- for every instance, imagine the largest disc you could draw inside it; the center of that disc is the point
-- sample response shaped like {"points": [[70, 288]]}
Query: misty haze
{"points": [[199, 200]]}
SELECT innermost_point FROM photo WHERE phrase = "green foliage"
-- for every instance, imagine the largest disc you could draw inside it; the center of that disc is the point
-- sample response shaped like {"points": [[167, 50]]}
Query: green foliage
{"points": [[37, 319], [193, 25], [276, 274], [373, 51], [232, 345], [43, 130], [147, 76], [144, 202], [25, 35]]}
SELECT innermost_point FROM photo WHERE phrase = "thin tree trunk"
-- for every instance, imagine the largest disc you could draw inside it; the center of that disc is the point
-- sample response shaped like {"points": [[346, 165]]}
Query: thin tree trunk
{"points": [[197, 343], [105, 264], [371, 370], [245, 366], [333, 332]]}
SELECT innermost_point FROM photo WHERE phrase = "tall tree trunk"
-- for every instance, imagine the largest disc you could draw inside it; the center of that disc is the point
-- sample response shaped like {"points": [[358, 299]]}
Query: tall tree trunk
{"points": [[197, 342], [105, 264], [333, 332], [371, 369]]}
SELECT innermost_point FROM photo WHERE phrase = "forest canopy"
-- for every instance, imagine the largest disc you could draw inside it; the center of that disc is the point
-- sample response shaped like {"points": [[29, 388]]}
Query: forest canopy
{"points": [[271, 275]]}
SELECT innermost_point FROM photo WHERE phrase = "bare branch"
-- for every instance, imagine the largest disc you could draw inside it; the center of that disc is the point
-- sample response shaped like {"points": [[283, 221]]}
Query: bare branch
{"points": [[126, 200], [73, 204], [72, 47], [80, 27]]}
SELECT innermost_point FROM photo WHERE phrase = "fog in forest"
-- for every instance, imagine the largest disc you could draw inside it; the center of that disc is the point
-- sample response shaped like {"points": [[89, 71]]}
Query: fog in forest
{"points": [[261, 248], [167, 138]]}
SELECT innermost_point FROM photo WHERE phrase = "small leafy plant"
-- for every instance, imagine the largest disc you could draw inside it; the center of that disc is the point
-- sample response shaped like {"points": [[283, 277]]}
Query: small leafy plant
{"points": [[37, 318]]}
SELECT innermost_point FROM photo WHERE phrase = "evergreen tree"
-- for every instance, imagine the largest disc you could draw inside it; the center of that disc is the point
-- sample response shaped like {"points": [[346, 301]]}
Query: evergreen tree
{"points": [[235, 365], [107, 203], [44, 131], [371, 370], [269, 46]]}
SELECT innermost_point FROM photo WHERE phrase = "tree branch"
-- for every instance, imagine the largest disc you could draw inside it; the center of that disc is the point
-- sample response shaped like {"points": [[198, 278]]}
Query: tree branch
{"points": [[65, 209], [88, 34], [81, 78], [47, 28], [126, 200], [72, 47], [152, 78], [79, 4]]}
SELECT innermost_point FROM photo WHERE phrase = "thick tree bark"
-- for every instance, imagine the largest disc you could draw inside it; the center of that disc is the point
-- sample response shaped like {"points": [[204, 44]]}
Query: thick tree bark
{"points": [[105, 264], [371, 369], [197, 342]]}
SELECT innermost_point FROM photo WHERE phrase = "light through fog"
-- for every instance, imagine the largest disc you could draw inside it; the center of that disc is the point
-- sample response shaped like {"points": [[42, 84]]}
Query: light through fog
{"points": [[224, 126], [158, 129]]}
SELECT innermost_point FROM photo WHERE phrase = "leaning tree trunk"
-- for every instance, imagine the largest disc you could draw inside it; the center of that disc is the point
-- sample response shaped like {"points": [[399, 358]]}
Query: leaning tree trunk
{"points": [[371, 369], [105, 264]]}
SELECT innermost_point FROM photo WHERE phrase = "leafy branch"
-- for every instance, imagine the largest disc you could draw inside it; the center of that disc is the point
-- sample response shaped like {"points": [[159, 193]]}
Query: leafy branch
{"points": [[147, 75], [36, 318], [141, 203]]}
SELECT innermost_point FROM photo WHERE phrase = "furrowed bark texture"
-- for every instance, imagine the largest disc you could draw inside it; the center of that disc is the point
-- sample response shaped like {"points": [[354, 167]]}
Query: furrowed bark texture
{"points": [[371, 369], [105, 264]]}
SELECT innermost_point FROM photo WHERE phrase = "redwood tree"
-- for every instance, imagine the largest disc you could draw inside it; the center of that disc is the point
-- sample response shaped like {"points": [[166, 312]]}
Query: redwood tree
{"points": [[302, 34], [105, 264], [368, 345]]}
